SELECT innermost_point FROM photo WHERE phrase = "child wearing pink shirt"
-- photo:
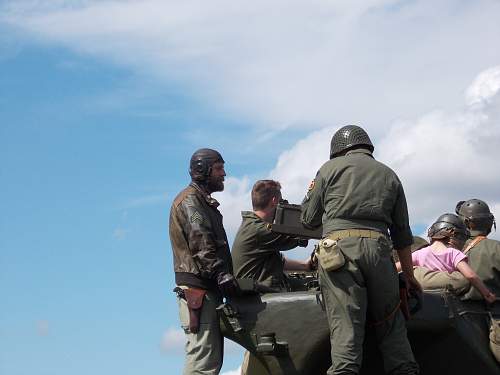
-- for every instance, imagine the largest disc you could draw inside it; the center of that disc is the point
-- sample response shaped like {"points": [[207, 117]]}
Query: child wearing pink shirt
{"points": [[448, 234]]}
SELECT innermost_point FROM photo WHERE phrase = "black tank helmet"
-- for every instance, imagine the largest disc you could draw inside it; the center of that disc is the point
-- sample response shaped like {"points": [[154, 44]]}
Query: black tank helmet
{"points": [[451, 227], [201, 164], [347, 137], [477, 216]]}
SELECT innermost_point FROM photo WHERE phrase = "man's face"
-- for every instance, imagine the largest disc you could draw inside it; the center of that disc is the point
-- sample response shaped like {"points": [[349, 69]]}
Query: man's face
{"points": [[216, 178]]}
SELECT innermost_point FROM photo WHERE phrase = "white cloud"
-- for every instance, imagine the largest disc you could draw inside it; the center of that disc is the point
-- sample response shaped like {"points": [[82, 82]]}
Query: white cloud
{"points": [[234, 199], [233, 372], [441, 157], [484, 88], [287, 62], [173, 341], [385, 64]]}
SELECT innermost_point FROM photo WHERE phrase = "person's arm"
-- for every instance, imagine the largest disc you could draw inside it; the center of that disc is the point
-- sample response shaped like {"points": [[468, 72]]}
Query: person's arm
{"points": [[272, 241], [470, 275], [297, 265], [312, 206], [406, 265]]}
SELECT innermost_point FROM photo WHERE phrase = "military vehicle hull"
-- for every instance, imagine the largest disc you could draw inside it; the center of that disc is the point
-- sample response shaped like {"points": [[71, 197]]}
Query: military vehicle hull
{"points": [[287, 333]]}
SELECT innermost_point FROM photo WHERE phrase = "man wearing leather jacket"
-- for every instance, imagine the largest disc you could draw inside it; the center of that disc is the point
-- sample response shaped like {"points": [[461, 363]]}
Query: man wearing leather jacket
{"points": [[202, 262]]}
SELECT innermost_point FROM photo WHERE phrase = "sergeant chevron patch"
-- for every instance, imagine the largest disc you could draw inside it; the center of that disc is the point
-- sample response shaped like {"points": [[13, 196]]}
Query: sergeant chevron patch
{"points": [[196, 218]]}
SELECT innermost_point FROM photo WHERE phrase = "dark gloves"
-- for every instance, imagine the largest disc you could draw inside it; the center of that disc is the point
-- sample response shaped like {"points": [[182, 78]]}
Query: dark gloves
{"points": [[228, 285]]}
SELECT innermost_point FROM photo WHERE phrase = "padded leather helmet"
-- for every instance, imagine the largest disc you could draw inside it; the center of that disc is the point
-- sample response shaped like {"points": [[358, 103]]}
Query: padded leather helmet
{"points": [[476, 212], [347, 137], [448, 226], [201, 163]]}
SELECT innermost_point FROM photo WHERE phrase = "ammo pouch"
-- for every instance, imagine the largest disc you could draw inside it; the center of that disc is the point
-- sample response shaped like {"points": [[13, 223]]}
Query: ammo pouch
{"points": [[329, 254], [495, 337], [194, 298]]}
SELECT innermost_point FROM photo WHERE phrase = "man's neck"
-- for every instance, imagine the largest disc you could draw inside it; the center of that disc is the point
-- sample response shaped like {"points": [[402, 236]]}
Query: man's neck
{"points": [[201, 187], [265, 215]]}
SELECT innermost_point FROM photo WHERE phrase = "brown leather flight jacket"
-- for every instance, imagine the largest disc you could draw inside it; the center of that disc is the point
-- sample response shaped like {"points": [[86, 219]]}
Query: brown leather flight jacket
{"points": [[199, 242]]}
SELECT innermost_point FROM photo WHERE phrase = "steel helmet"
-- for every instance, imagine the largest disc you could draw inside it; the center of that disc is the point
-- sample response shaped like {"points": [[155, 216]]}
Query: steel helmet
{"points": [[448, 226], [348, 137], [476, 215]]}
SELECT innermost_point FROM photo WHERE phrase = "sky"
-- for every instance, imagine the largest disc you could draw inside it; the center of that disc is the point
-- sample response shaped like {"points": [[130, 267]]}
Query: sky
{"points": [[102, 104]]}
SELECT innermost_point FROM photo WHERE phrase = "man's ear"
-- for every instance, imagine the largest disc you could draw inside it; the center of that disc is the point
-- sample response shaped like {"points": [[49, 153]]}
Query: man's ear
{"points": [[274, 201]]}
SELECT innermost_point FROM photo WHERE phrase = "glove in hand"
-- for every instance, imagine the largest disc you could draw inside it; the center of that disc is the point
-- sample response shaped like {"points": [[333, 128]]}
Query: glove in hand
{"points": [[228, 285]]}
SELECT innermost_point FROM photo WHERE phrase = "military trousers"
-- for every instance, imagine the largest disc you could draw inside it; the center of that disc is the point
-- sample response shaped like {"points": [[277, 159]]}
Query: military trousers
{"points": [[204, 349], [365, 289]]}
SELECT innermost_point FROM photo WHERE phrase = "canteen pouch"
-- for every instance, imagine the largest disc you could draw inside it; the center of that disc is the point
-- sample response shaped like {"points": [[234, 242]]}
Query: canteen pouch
{"points": [[329, 255], [495, 338], [194, 298]]}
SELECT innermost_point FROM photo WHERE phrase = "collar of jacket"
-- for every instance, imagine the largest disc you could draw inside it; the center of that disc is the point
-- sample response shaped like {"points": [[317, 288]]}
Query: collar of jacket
{"points": [[360, 151], [211, 201], [249, 214]]}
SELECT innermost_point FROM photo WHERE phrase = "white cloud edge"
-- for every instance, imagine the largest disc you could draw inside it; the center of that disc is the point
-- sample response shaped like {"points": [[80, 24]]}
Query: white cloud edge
{"points": [[295, 73], [437, 156]]}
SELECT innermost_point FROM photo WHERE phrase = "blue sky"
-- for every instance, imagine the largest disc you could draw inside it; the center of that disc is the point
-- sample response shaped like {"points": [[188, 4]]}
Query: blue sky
{"points": [[102, 104], [87, 177]]}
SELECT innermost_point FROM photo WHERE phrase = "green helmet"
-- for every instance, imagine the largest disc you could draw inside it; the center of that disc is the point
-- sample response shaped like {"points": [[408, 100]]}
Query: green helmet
{"points": [[348, 137], [477, 216]]}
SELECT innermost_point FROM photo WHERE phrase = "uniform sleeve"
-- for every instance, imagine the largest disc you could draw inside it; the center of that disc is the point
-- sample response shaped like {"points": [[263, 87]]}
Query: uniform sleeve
{"points": [[200, 238], [312, 205], [400, 230], [271, 241]]}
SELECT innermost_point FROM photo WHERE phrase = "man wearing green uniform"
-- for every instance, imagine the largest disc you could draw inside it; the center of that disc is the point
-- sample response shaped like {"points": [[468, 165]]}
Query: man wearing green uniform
{"points": [[483, 253], [256, 251], [362, 207]]}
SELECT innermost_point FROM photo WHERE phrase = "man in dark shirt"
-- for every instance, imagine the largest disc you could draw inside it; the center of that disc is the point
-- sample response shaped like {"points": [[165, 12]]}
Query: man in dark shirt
{"points": [[202, 262], [361, 204], [256, 249], [482, 252]]}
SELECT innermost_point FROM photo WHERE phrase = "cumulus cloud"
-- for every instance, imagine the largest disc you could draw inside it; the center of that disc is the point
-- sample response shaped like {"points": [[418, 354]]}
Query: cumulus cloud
{"points": [[233, 372], [173, 341], [287, 62], [398, 68], [234, 199], [446, 157], [441, 157]]}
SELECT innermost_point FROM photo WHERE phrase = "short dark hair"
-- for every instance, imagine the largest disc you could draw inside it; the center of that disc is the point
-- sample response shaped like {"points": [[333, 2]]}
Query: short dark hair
{"points": [[263, 191]]}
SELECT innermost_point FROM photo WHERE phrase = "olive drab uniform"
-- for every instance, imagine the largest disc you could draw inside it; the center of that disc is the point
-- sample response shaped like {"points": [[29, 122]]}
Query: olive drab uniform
{"points": [[200, 254], [484, 259], [256, 252], [360, 202]]}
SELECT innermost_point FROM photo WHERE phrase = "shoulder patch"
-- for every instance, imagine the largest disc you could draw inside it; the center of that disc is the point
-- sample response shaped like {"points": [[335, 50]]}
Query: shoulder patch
{"points": [[196, 218]]}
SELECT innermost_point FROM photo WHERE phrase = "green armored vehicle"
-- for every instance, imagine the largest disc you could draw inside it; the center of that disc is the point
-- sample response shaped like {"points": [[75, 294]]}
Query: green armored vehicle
{"points": [[287, 333]]}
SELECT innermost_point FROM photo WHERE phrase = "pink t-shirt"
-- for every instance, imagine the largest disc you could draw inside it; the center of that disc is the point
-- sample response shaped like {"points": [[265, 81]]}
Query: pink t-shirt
{"points": [[446, 260]]}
